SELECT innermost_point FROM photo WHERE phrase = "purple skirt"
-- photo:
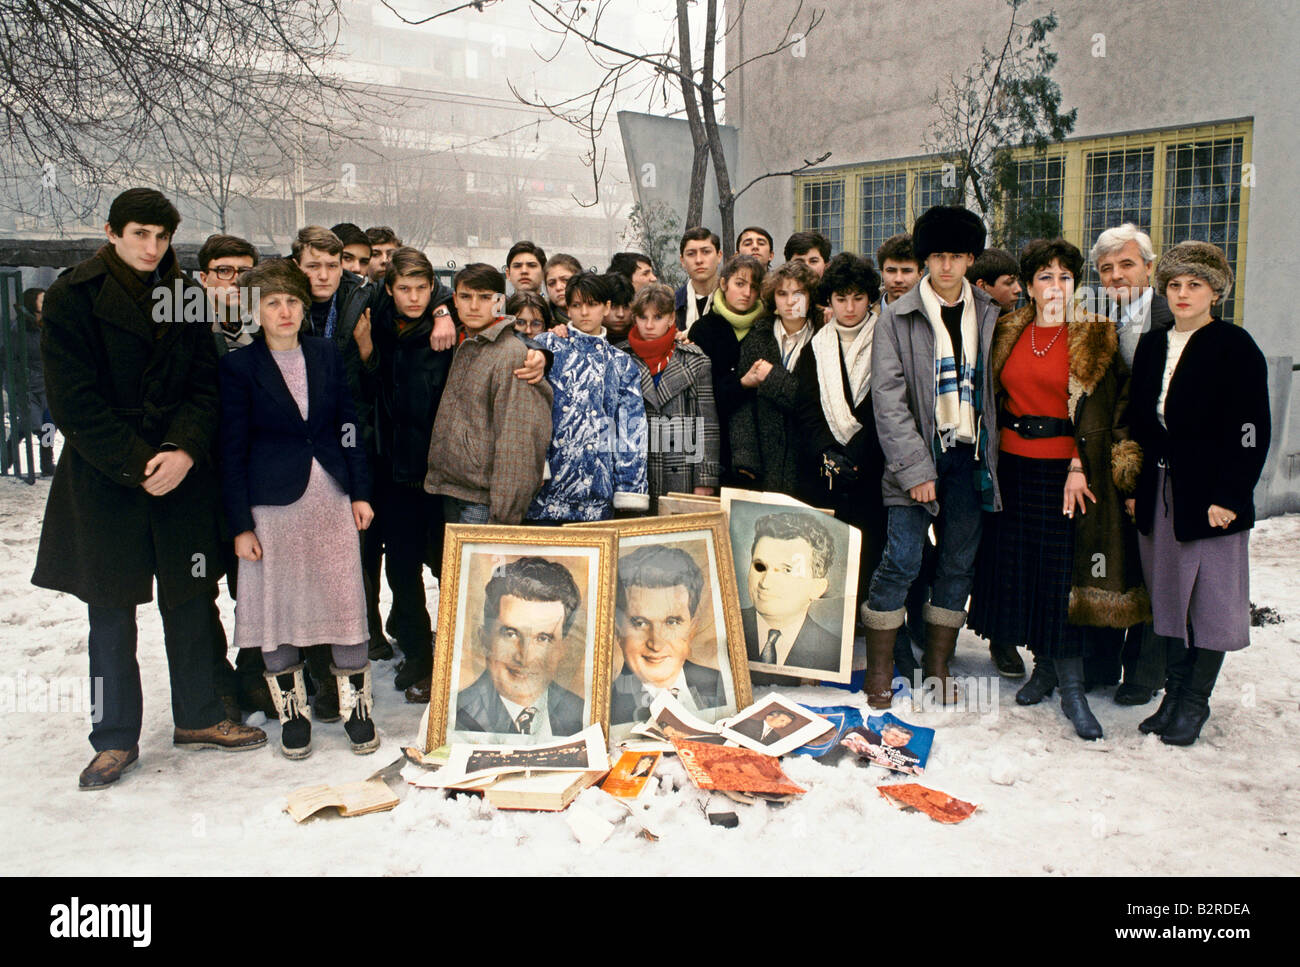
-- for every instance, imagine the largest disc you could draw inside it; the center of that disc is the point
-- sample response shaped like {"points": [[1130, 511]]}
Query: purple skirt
{"points": [[1203, 583]]}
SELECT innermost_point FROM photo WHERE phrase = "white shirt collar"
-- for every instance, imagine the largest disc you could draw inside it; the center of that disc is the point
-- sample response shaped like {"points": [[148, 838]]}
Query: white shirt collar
{"points": [[541, 723], [1138, 308]]}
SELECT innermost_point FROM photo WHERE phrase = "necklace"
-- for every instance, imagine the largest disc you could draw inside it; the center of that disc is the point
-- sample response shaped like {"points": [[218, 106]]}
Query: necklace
{"points": [[1040, 353]]}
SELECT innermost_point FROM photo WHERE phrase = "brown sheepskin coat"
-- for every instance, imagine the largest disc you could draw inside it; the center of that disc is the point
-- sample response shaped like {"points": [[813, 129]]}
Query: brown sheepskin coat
{"points": [[1107, 589]]}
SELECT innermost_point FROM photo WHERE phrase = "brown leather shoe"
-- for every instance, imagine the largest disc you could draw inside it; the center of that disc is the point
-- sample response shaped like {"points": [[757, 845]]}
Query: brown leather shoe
{"points": [[418, 694], [107, 767], [225, 735]]}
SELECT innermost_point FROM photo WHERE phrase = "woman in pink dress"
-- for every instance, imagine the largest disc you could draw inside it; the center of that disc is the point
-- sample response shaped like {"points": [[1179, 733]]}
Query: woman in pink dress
{"points": [[296, 490]]}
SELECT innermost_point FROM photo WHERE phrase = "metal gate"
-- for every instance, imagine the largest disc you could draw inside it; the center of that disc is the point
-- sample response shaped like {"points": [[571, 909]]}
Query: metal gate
{"points": [[17, 444]]}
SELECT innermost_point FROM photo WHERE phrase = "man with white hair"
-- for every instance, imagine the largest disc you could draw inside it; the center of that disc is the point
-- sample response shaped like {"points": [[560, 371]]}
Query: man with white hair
{"points": [[1124, 259]]}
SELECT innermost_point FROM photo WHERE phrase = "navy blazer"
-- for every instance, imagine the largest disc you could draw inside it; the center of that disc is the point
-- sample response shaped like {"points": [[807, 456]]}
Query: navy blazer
{"points": [[267, 447]]}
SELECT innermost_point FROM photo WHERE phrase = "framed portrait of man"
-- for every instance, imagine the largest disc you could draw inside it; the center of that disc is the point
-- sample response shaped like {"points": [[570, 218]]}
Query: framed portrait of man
{"points": [[797, 578], [525, 631], [677, 626]]}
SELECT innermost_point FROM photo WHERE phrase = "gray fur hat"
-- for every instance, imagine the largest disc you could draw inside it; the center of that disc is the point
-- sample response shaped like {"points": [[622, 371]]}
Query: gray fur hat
{"points": [[1201, 259]]}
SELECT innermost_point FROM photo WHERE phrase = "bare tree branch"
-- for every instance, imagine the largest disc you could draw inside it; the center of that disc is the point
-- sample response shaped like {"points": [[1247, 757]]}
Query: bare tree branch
{"points": [[786, 174], [478, 5]]}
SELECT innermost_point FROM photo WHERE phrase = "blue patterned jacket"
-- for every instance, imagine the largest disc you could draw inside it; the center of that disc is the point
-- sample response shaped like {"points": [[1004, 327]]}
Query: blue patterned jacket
{"points": [[597, 457]]}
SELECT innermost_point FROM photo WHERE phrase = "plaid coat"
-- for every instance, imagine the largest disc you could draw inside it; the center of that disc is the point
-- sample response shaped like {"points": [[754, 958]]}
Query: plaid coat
{"points": [[684, 440], [492, 430]]}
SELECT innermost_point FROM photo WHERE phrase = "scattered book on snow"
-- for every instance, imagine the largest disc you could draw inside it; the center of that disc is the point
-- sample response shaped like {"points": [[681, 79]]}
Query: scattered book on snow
{"points": [[733, 768], [350, 798], [775, 725], [669, 720], [888, 741], [843, 717], [631, 774], [542, 791], [473, 766], [939, 806]]}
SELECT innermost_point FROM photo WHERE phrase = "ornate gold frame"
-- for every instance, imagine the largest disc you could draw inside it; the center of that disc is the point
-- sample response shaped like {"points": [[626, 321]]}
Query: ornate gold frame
{"points": [[716, 522], [602, 629]]}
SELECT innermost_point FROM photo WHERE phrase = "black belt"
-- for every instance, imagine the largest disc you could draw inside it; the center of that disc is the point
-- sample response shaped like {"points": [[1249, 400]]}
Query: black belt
{"points": [[1035, 427]]}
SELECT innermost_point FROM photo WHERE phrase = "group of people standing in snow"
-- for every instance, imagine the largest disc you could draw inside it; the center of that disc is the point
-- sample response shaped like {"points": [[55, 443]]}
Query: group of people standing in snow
{"points": [[1076, 483]]}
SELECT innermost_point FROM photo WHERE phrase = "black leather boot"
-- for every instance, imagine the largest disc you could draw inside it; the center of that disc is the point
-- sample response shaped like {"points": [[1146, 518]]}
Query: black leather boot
{"points": [[1006, 659], [1041, 684], [325, 703], [1164, 715], [1074, 704], [1194, 702]]}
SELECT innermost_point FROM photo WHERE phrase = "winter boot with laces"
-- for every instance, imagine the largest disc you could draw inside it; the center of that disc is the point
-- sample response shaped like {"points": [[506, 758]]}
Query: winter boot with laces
{"points": [[289, 693], [355, 705]]}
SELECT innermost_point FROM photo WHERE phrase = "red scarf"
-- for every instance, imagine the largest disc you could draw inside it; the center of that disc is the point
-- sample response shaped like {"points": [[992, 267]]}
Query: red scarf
{"points": [[655, 353]]}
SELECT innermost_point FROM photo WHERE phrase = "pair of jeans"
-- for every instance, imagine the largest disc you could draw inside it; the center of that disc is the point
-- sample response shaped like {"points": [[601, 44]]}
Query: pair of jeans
{"points": [[458, 511], [188, 631], [957, 530]]}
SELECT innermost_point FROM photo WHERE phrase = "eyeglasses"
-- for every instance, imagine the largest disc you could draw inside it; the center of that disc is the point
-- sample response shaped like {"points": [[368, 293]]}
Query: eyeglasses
{"points": [[529, 325], [225, 272]]}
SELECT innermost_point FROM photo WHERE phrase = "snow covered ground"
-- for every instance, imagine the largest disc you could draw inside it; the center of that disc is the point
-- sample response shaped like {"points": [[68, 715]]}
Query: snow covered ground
{"points": [[1049, 803]]}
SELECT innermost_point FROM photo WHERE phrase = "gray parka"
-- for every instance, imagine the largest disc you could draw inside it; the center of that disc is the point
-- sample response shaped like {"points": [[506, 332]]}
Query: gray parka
{"points": [[902, 385]]}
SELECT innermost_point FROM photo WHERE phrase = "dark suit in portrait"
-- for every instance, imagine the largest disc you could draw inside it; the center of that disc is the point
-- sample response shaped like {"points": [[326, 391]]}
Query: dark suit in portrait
{"points": [[753, 728], [814, 647], [479, 709], [626, 704]]}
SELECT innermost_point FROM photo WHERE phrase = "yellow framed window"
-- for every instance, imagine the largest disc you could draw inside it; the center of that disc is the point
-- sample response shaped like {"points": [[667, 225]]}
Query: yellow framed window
{"points": [[1174, 183]]}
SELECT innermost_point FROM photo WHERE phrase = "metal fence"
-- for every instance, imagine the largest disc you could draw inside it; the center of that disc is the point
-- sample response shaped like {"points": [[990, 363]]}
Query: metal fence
{"points": [[18, 450]]}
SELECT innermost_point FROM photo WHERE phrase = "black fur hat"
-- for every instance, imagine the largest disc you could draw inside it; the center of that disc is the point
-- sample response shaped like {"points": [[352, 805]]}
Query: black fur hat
{"points": [[947, 228]]}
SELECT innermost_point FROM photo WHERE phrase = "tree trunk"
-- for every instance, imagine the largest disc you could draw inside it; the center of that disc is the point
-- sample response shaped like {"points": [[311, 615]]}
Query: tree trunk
{"points": [[726, 200], [699, 137]]}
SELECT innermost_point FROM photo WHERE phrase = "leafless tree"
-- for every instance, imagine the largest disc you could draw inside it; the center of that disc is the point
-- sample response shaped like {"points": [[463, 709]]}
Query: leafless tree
{"points": [[91, 92], [666, 77], [1006, 99]]}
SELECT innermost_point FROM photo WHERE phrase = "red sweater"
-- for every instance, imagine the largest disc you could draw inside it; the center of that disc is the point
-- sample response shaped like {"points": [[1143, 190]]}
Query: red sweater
{"points": [[1038, 387]]}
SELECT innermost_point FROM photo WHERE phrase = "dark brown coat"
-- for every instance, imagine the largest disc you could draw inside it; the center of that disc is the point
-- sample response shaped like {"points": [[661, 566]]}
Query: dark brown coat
{"points": [[118, 392], [1107, 589]]}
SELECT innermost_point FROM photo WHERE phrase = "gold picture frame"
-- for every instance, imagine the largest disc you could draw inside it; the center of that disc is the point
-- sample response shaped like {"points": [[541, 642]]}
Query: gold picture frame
{"points": [[672, 504], [705, 539], [473, 685]]}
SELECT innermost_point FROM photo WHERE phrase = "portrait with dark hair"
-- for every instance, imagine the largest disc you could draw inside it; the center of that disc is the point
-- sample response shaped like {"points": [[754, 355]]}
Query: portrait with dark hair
{"points": [[524, 636], [796, 568]]}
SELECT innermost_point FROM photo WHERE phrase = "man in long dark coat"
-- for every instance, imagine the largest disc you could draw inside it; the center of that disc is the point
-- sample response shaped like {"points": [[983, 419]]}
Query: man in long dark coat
{"points": [[131, 377]]}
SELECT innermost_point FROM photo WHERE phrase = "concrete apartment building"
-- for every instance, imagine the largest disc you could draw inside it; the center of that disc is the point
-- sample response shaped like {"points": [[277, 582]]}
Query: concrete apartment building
{"points": [[462, 170], [1186, 125]]}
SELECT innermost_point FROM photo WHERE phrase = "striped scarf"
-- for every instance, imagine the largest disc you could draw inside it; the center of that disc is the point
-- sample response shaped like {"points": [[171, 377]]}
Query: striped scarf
{"points": [[957, 404]]}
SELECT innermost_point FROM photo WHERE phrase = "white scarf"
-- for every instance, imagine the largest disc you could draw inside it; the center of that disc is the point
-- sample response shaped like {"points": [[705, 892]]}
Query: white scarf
{"points": [[830, 378], [954, 380], [801, 339]]}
